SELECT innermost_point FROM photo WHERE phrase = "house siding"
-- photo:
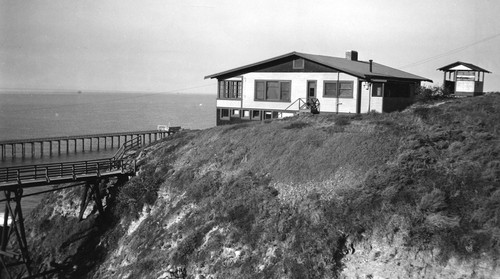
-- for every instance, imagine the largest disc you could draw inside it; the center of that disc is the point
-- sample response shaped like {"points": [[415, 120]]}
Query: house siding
{"points": [[299, 90], [224, 103]]}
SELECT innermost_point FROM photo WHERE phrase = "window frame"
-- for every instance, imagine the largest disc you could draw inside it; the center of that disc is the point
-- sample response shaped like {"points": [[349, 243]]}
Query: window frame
{"points": [[226, 90], [235, 113], [280, 90], [225, 117], [255, 115], [338, 88], [245, 114]]}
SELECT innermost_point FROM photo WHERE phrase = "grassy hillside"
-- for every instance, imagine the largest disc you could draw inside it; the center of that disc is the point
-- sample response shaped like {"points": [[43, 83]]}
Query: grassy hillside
{"points": [[290, 198]]}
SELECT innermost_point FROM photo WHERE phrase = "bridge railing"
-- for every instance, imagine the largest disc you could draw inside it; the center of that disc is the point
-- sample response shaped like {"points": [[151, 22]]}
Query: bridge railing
{"points": [[126, 147], [67, 169], [119, 162]]}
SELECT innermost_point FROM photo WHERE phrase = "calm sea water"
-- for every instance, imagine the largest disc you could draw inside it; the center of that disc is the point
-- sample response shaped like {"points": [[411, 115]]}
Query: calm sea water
{"points": [[33, 115]]}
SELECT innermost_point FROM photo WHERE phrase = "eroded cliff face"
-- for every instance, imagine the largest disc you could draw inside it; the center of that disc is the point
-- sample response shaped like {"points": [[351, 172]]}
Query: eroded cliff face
{"points": [[391, 258], [404, 195]]}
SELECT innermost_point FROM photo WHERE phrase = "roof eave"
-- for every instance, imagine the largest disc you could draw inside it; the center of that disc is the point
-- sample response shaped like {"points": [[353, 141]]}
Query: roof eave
{"points": [[398, 78], [251, 65]]}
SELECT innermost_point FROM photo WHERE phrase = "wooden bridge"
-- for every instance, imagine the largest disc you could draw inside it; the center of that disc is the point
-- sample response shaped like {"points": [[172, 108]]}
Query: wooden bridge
{"points": [[79, 143], [90, 174]]}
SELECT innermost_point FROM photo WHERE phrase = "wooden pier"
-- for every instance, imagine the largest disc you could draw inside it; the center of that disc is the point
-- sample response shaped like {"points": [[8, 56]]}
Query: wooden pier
{"points": [[91, 174], [22, 148]]}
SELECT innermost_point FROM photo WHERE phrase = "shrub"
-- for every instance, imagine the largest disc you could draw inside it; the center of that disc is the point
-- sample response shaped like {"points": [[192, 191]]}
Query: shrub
{"points": [[141, 189], [425, 94]]}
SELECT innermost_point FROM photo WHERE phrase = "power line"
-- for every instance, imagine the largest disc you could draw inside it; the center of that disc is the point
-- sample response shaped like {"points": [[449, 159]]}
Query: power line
{"points": [[450, 51]]}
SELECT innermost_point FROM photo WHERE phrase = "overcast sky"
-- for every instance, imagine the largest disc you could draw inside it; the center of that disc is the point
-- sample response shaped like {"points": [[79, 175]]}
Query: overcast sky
{"points": [[169, 46]]}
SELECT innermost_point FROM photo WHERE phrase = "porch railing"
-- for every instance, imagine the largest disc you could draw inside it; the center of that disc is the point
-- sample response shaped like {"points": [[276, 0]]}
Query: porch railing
{"points": [[302, 104]]}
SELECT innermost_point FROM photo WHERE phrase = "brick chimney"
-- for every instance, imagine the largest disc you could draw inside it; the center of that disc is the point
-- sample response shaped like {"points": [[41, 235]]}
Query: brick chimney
{"points": [[351, 55]]}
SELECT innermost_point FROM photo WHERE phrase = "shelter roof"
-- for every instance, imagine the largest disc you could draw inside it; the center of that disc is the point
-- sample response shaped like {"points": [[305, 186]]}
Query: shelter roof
{"points": [[472, 67]]}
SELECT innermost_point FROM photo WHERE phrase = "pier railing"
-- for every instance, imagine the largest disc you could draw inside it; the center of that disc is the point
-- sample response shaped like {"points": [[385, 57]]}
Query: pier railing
{"points": [[39, 174], [126, 147], [72, 144], [13, 180]]}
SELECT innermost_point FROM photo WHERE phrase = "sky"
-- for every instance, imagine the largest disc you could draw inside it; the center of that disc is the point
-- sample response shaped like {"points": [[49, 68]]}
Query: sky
{"points": [[170, 46]]}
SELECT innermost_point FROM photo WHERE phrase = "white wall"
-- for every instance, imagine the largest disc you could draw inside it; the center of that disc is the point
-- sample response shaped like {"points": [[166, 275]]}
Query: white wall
{"points": [[299, 90], [376, 104], [365, 97], [227, 103]]}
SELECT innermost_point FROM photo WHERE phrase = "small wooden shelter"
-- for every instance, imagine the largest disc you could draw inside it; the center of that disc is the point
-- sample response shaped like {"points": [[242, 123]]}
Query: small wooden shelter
{"points": [[463, 79]]}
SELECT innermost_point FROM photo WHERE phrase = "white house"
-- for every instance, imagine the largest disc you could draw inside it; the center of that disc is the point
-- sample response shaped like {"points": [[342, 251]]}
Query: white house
{"points": [[294, 82]]}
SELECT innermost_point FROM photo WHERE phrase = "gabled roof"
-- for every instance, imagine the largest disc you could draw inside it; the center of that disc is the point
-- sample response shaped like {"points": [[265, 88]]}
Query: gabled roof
{"points": [[468, 65], [360, 69]]}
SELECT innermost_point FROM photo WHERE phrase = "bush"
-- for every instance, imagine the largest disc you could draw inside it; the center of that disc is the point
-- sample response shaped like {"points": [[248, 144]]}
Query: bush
{"points": [[140, 190], [425, 94]]}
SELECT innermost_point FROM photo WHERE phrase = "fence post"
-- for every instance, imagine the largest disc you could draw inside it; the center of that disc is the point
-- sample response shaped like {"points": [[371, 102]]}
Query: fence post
{"points": [[18, 177]]}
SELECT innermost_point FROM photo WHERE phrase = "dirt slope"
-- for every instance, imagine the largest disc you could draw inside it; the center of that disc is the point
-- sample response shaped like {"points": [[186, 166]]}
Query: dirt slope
{"points": [[411, 194]]}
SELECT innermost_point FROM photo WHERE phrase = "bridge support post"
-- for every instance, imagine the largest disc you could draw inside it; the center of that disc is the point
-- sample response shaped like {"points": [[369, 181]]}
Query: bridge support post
{"points": [[95, 194], [13, 225]]}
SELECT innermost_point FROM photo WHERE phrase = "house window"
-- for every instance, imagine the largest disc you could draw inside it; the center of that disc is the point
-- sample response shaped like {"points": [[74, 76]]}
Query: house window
{"points": [[345, 89], [377, 89], [255, 114], [230, 89], [235, 112], [224, 114], [272, 90], [298, 63], [246, 114], [268, 115]]}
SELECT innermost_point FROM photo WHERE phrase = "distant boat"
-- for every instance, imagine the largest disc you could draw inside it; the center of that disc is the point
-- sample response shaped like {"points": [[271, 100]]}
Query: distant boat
{"points": [[79, 92]]}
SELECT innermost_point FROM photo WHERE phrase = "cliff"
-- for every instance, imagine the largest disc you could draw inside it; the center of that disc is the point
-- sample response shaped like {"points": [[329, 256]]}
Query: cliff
{"points": [[402, 195]]}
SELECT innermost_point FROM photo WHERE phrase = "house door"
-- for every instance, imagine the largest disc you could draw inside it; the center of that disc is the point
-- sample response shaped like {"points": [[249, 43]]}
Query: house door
{"points": [[311, 89], [377, 89]]}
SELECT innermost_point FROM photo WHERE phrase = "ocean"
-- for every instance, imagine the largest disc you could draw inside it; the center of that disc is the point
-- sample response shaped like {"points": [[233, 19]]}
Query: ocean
{"points": [[41, 114]]}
